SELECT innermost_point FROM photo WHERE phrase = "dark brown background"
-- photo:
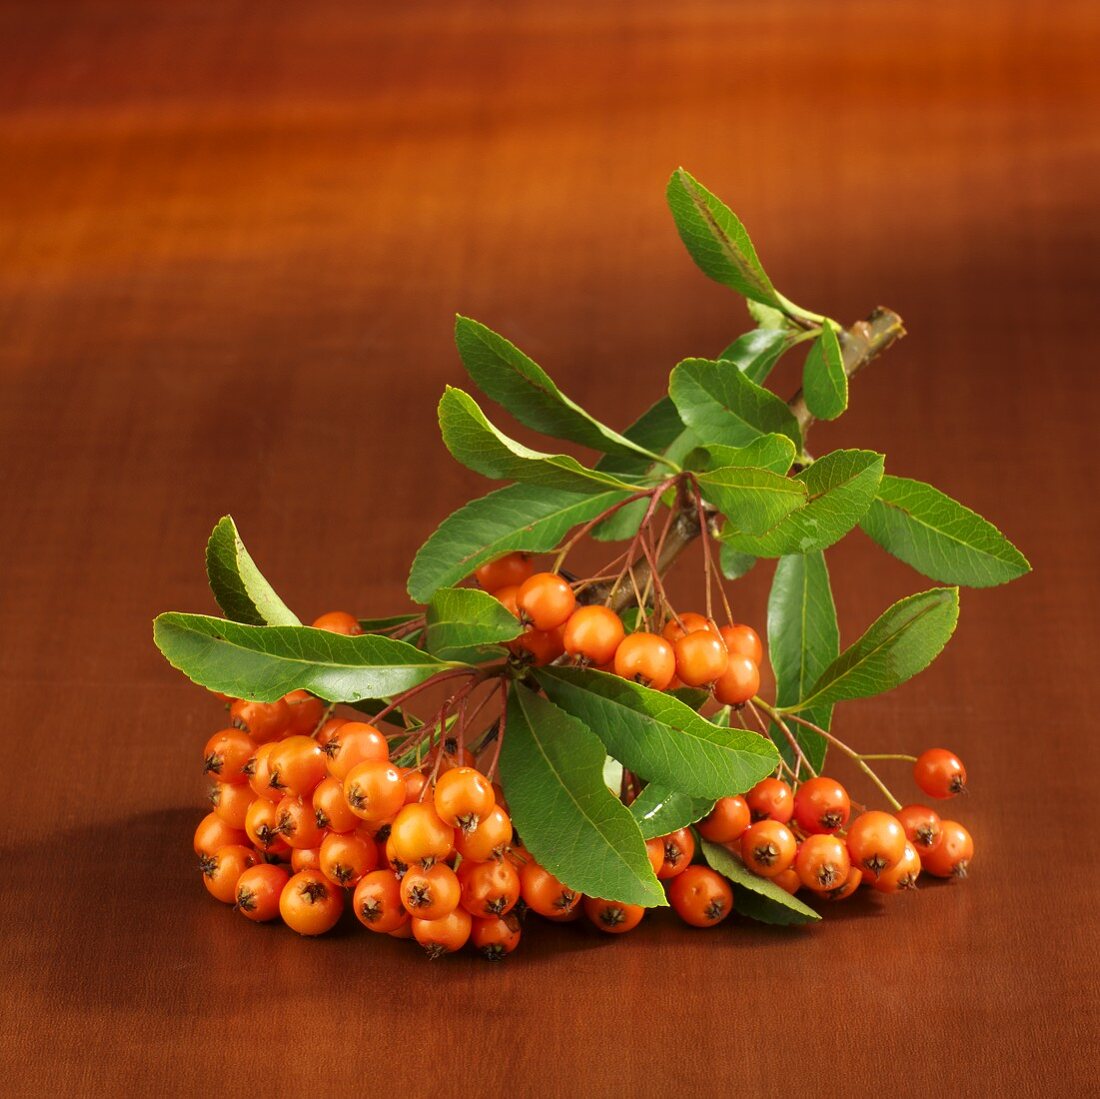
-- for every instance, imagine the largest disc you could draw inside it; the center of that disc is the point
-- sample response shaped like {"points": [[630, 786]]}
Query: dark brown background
{"points": [[234, 236]]}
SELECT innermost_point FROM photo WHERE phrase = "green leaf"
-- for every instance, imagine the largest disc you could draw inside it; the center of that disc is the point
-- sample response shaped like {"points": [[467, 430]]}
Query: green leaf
{"points": [[468, 625], [264, 663], [721, 405], [765, 316], [513, 380], [378, 625], [803, 640], [940, 537], [734, 565], [824, 382], [758, 898], [480, 446], [659, 810], [756, 352], [657, 736], [238, 586], [904, 640], [841, 486], [552, 770], [519, 517], [658, 429], [754, 499], [717, 240], [774, 452]]}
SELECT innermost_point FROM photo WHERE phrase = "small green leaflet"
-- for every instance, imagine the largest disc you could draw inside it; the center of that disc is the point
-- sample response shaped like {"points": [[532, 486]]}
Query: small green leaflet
{"points": [[264, 663], [756, 352], [824, 382], [518, 517], [734, 565], [903, 641], [480, 446], [551, 767], [765, 316], [657, 736], [774, 452], [659, 810], [803, 640], [467, 625], [758, 898], [841, 486], [513, 380], [238, 586], [717, 240], [721, 405], [753, 499], [940, 537]]}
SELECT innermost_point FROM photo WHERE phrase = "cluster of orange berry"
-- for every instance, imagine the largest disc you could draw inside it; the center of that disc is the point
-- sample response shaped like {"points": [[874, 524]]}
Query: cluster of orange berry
{"points": [[306, 809], [691, 651], [801, 839]]}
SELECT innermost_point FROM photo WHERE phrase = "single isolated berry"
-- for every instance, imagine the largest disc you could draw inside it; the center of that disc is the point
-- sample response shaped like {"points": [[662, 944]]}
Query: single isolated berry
{"points": [[940, 773]]}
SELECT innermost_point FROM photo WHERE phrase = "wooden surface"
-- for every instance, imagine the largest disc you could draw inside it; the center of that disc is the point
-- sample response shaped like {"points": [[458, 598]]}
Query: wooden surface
{"points": [[233, 238]]}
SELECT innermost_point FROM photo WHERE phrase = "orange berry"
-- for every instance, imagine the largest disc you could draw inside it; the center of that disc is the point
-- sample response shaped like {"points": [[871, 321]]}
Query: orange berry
{"points": [[738, 683], [646, 658], [700, 897], [592, 634], [726, 821], [614, 917], [545, 600], [700, 658], [511, 570], [339, 622], [743, 641]]}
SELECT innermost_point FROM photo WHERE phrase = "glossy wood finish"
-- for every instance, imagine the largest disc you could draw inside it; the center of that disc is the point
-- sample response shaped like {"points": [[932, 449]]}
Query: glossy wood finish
{"points": [[233, 238]]}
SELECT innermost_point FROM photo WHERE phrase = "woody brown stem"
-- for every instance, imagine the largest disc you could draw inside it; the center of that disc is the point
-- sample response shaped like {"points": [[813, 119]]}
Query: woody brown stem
{"points": [[863, 342]]}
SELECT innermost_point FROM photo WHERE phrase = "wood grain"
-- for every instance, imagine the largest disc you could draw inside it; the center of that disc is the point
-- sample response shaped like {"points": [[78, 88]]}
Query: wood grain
{"points": [[233, 239]]}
